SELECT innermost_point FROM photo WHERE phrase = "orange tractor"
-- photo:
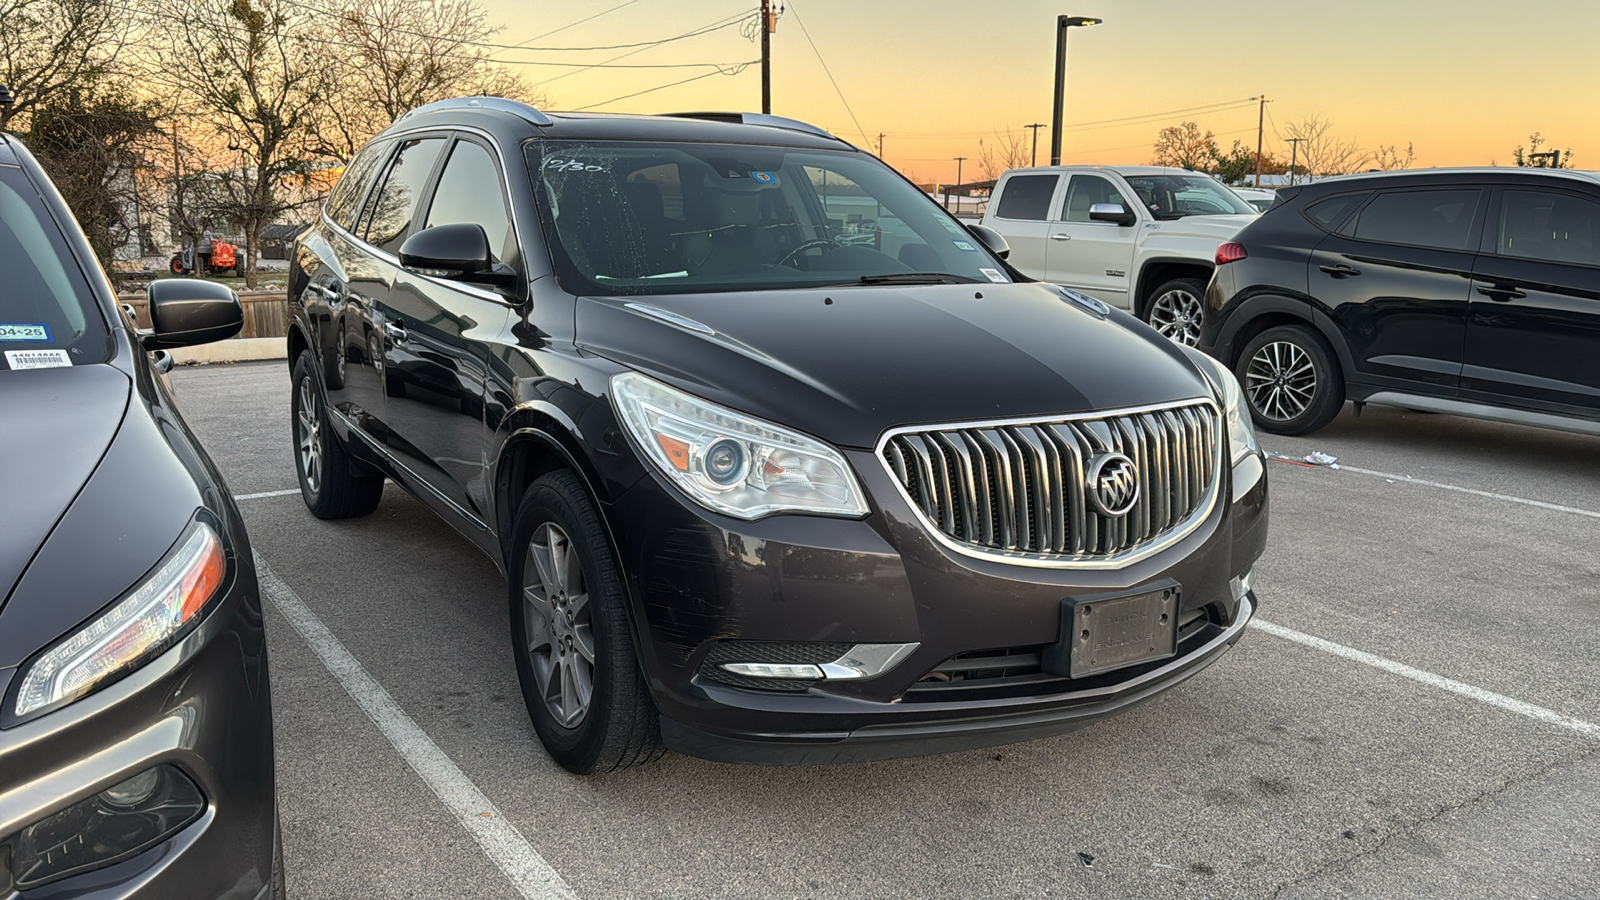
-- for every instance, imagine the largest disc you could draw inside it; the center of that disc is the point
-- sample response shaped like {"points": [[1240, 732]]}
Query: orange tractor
{"points": [[213, 256]]}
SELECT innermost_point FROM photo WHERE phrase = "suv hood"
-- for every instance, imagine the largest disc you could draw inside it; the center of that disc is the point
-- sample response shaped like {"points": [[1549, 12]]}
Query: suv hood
{"points": [[847, 363], [1218, 228], [57, 424]]}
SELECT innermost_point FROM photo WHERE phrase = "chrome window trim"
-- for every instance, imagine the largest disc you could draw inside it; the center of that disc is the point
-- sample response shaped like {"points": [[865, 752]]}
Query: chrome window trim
{"points": [[1034, 560], [511, 203]]}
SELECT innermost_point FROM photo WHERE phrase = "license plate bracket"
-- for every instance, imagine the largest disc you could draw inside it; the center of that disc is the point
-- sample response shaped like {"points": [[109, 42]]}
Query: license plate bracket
{"points": [[1105, 632]]}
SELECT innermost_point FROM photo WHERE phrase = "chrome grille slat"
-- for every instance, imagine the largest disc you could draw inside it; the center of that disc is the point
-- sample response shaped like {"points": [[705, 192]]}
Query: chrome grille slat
{"points": [[1016, 490]]}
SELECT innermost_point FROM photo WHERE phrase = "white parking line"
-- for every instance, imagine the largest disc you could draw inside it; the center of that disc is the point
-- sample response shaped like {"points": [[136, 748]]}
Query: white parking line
{"points": [[262, 494], [500, 840], [1473, 491], [1509, 704]]}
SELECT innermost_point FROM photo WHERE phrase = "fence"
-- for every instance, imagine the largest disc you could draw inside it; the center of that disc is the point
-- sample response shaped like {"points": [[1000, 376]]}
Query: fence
{"points": [[266, 314]]}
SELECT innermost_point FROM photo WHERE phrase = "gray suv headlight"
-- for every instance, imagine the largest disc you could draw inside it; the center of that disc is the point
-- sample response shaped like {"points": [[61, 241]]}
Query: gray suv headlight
{"points": [[730, 462], [1241, 432]]}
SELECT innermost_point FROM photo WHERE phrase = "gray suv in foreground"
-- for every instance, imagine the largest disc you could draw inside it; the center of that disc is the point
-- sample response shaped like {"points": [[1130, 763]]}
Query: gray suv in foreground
{"points": [[782, 463]]}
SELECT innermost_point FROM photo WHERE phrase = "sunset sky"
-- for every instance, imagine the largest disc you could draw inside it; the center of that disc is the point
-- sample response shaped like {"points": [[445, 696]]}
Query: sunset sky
{"points": [[1465, 81]]}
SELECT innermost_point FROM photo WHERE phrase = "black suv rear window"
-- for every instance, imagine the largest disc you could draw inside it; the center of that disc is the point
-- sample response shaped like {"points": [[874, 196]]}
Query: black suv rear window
{"points": [[1441, 219], [48, 317], [1027, 197]]}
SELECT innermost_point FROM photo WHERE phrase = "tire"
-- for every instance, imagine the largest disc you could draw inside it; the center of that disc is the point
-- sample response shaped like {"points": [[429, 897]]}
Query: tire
{"points": [[563, 628], [327, 484], [1175, 309], [176, 265], [1291, 380]]}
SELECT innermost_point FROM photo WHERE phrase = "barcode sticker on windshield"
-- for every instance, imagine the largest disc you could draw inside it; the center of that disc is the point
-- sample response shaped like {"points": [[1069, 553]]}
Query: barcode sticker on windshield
{"points": [[37, 359], [996, 276], [24, 331]]}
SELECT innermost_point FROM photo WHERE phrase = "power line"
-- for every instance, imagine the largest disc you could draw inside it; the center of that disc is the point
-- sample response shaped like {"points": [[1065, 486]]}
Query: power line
{"points": [[859, 130], [734, 70], [608, 62], [579, 22]]}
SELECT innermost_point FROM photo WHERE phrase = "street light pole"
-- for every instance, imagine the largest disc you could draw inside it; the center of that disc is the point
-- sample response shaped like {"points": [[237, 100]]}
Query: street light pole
{"points": [[959, 161], [1062, 24], [1294, 156]]}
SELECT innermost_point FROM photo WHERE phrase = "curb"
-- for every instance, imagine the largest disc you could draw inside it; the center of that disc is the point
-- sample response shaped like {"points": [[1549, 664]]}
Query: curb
{"points": [[234, 350]]}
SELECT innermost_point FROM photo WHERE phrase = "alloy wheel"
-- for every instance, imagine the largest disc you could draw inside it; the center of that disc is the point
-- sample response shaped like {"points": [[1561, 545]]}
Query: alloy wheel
{"points": [[310, 435], [1176, 314], [560, 628], [1281, 381]]}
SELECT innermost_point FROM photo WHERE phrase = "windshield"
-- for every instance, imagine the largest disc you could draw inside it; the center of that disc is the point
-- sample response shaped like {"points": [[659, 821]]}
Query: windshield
{"points": [[669, 218], [1176, 196], [47, 316]]}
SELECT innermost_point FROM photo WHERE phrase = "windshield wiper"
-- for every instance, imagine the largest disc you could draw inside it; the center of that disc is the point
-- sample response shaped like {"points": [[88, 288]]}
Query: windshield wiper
{"points": [[918, 278]]}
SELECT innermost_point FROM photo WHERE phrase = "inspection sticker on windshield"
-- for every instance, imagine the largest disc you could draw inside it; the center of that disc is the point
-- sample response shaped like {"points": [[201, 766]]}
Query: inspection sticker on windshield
{"points": [[24, 331], [37, 359], [964, 245], [995, 275]]}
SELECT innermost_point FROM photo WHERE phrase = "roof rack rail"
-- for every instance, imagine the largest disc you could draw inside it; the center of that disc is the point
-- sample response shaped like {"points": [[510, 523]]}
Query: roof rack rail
{"points": [[501, 104], [749, 118]]}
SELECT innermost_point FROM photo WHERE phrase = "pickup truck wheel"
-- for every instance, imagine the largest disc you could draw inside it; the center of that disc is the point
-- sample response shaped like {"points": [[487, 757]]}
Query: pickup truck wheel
{"points": [[1291, 380], [1175, 310], [569, 626], [327, 484]]}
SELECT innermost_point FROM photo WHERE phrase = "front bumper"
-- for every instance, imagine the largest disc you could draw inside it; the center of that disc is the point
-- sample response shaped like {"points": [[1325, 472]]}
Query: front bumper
{"points": [[697, 579], [204, 707]]}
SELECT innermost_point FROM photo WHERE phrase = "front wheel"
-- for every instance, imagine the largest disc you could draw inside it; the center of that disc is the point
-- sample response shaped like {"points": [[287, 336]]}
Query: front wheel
{"points": [[1291, 380], [327, 483], [569, 627], [1176, 308]]}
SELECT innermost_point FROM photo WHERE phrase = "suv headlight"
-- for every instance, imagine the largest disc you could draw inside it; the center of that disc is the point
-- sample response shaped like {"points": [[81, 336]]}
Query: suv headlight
{"points": [[732, 463], [1241, 433], [133, 631]]}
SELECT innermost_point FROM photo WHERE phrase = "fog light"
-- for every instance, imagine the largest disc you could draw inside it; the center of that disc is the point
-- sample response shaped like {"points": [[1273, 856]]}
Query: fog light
{"points": [[114, 824]]}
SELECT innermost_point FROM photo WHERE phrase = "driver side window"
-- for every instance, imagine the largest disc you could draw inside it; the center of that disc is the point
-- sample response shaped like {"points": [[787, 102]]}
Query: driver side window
{"points": [[1083, 192]]}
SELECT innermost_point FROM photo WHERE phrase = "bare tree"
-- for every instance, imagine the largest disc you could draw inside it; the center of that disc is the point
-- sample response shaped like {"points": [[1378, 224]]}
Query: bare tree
{"points": [[1389, 159], [47, 46], [395, 55], [1324, 153], [251, 68], [1185, 147], [1008, 151]]}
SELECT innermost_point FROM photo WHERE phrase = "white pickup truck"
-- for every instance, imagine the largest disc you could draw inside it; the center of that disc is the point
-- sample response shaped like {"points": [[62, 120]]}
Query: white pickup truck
{"points": [[1143, 238]]}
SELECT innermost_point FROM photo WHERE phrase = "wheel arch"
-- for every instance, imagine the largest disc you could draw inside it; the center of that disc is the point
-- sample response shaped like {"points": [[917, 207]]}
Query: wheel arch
{"points": [[537, 444], [1158, 270], [297, 342]]}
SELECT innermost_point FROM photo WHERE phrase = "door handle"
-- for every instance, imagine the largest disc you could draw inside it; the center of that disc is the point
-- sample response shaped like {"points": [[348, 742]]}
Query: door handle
{"points": [[1340, 271], [327, 293], [1501, 294], [1060, 237], [396, 333]]}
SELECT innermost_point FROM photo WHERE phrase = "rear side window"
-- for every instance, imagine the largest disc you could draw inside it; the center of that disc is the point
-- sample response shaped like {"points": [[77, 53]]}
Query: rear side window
{"points": [[1553, 227], [1441, 219], [353, 183], [389, 218], [469, 191], [48, 317], [1027, 197], [1330, 212]]}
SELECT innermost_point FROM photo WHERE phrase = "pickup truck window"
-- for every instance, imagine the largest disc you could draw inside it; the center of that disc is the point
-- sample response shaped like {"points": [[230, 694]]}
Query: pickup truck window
{"points": [[1176, 196], [1084, 191], [1027, 197]]}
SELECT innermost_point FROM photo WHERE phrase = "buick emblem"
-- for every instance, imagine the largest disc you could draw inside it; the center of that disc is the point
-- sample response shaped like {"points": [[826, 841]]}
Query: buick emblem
{"points": [[1113, 485]]}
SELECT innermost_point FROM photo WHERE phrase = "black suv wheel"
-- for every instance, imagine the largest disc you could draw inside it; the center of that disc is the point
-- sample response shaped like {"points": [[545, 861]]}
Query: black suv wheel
{"points": [[1291, 380], [330, 488], [569, 625]]}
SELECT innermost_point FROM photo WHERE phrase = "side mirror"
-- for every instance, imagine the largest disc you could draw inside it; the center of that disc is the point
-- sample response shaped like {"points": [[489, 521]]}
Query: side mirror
{"points": [[1112, 212], [458, 252], [188, 311], [991, 239]]}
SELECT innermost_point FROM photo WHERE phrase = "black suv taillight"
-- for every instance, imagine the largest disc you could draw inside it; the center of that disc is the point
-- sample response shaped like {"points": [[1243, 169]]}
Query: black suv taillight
{"points": [[1231, 251]]}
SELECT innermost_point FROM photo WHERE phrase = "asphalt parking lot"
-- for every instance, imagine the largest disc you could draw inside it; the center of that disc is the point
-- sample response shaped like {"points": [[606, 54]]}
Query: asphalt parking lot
{"points": [[1414, 716]]}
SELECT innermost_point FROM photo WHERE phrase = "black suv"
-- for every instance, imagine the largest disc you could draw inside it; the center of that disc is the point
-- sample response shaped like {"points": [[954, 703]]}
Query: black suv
{"points": [[781, 461], [1474, 292]]}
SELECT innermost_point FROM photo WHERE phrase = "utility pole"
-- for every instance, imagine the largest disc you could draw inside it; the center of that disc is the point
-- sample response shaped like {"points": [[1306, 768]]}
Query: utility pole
{"points": [[1035, 128], [1294, 156], [880, 136], [959, 161], [768, 25], [1261, 125]]}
